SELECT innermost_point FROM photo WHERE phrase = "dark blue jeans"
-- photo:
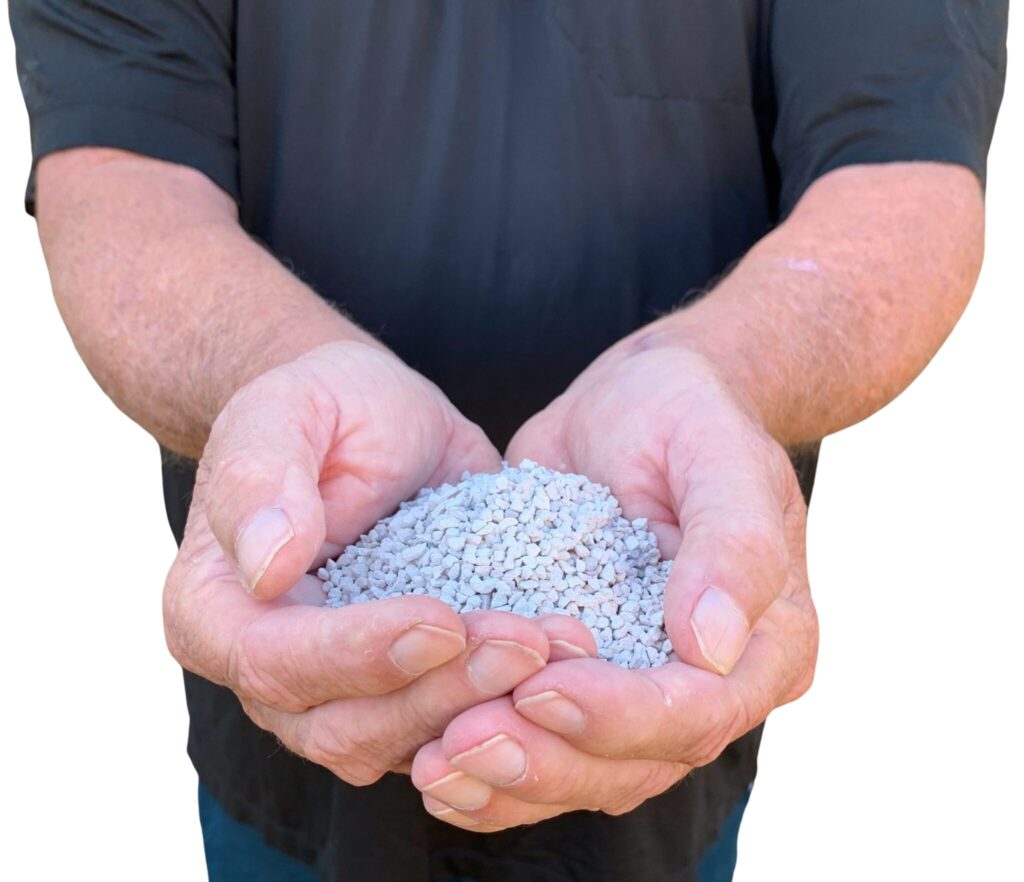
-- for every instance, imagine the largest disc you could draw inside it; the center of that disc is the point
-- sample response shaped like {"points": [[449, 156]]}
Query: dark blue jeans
{"points": [[236, 852]]}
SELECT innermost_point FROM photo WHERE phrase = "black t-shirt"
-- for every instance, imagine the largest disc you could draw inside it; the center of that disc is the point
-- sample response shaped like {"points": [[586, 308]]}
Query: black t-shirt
{"points": [[500, 189]]}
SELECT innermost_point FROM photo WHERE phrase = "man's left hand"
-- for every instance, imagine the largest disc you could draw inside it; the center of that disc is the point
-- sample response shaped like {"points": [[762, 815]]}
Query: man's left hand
{"points": [[678, 446]]}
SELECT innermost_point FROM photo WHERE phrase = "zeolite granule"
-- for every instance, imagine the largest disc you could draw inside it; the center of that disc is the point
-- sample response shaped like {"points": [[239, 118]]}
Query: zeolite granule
{"points": [[526, 540]]}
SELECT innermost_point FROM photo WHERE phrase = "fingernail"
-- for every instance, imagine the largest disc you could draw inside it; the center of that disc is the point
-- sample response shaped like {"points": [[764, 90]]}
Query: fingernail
{"points": [[563, 649], [721, 629], [424, 647], [553, 711], [458, 791], [498, 666], [499, 761], [445, 812], [258, 542]]}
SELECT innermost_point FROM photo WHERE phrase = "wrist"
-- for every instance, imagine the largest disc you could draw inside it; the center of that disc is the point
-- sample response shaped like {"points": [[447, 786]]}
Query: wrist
{"points": [[700, 348], [233, 364]]}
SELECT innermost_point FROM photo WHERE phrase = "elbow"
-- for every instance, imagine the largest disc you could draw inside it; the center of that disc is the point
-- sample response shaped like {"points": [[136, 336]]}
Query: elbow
{"points": [[959, 234], [915, 228]]}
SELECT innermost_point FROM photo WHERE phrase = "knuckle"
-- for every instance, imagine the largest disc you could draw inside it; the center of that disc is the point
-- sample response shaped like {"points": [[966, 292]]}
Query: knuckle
{"points": [[257, 713], [759, 538], [479, 823], [343, 751], [624, 802], [490, 820], [173, 636], [252, 680], [359, 774], [800, 653], [708, 750], [804, 676], [500, 828], [651, 781], [181, 633], [228, 474], [175, 644], [323, 745], [802, 685], [565, 782], [709, 747], [422, 721]]}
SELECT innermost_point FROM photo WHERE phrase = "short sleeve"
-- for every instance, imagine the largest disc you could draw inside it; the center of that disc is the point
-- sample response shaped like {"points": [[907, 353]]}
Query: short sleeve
{"points": [[151, 76], [868, 81]]}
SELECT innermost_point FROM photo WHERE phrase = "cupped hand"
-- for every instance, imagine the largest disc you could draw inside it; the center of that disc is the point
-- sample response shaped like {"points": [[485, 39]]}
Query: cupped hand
{"points": [[678, 446], [300, 462]]}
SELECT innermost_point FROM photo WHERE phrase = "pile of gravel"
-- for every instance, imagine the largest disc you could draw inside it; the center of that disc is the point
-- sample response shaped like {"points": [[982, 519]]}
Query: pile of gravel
{"points": [[526, 540]]}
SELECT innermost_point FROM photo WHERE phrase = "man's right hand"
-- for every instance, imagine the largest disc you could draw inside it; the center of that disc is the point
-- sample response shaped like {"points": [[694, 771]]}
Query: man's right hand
{"points": [[300, 462]]}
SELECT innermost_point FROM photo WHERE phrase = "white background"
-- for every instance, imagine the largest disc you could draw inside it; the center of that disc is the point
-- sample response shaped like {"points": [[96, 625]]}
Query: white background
{"points": [[903, 762]]}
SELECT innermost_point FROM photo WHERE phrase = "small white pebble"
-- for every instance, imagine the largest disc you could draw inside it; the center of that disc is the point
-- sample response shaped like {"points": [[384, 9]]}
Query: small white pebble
{"points": [[527, 540], [413, 552]]}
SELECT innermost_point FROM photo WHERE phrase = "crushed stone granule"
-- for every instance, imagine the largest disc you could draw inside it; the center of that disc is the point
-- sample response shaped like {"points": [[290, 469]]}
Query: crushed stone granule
{"points": [[527, 540]]}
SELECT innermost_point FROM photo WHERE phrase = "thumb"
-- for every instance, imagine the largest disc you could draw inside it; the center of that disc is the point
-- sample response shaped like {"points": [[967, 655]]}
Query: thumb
{"points": [[261, 493], [733, 560]]}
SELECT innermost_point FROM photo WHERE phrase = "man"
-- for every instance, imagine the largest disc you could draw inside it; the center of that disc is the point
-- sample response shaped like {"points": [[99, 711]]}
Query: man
{"points": [[504, 197]]}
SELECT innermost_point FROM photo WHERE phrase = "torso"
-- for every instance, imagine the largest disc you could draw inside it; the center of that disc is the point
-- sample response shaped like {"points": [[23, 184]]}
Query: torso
{"points": [[502, 189]]}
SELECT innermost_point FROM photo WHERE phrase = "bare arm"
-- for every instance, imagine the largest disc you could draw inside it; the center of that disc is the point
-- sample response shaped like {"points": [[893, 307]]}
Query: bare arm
{"points": [[170, 304], [832, 315], [822, 323], [309, 431]]}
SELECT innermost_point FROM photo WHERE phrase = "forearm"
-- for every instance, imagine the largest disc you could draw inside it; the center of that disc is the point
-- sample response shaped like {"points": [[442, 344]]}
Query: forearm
{"points": [[170, 304], [833, 314]]}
